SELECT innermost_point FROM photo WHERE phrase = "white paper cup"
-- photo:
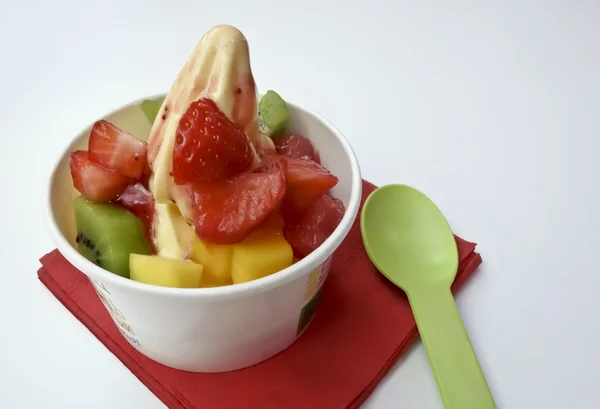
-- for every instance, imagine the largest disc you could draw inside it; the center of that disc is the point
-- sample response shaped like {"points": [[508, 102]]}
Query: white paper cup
{"points": [[212, 329]]}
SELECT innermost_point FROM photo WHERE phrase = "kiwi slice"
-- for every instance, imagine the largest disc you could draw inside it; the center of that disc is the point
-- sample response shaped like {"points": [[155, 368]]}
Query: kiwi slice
{"points": [[108, 234], [150, 107], [272, 114]]}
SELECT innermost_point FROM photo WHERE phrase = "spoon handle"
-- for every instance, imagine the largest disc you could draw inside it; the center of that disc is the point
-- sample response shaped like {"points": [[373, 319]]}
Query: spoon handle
{"points": [[455, 366]]}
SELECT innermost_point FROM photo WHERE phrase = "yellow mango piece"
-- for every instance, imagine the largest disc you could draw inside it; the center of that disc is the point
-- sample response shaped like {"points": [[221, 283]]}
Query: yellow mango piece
{"points": [[216, 259], [261, 253], [165, 272]]}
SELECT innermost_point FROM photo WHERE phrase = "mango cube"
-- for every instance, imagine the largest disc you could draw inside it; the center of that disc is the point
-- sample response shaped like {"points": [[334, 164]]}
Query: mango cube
{"points": [[216, 259], [165, 272], [261, 253]]}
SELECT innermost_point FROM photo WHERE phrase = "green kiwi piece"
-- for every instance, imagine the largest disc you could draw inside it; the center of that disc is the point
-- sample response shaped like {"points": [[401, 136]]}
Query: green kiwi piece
{"points": [[150, 107], [272, 114], [107, 234]]}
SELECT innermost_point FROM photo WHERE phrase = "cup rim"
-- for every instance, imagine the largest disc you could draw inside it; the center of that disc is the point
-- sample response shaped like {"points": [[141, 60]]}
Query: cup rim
{"points": [[309, 263]]}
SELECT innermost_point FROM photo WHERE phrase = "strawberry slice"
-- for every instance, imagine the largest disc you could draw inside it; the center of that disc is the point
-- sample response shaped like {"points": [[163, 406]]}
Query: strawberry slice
{"points": [[306, 182], [208, 146], [226, 211], [296, 146], [139, 201], [315, 226], [93, 181], [145, 179], [115, 149]]}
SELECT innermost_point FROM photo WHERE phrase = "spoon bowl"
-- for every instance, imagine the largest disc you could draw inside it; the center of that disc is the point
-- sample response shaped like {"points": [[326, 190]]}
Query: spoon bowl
{"points": [[399, 222]]}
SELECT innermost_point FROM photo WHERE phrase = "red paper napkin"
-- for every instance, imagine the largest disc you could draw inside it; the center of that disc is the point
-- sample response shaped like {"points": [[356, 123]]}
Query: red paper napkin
{"points": [[362, 326]]}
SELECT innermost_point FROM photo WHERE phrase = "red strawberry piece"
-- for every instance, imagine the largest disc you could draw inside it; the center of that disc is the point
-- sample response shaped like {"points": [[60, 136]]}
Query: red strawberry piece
{"points": [[315, 226], [145, 179], [208, 146], [306, 182], [93, 181], [115, 149], [139, 201], [296, 146], [226, 211], [274, 221]]}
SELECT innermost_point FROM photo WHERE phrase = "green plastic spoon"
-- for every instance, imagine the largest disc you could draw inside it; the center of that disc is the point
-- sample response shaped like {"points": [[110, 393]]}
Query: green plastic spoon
{"points": [[409, 241]]}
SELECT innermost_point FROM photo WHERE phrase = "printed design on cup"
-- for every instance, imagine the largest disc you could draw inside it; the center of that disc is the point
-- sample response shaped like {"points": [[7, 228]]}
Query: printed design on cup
{"points": [[307, 312], [311, 285], [114, 312], [312, 294], [315, 279]]}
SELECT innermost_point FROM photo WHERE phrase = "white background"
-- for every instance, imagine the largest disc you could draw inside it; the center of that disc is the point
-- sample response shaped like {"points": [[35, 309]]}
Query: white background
{"points": [[491, 108]]}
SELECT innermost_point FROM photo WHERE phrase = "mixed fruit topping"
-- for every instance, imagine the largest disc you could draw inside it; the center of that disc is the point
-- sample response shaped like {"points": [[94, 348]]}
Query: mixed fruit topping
{"points": [[222, 193]]}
